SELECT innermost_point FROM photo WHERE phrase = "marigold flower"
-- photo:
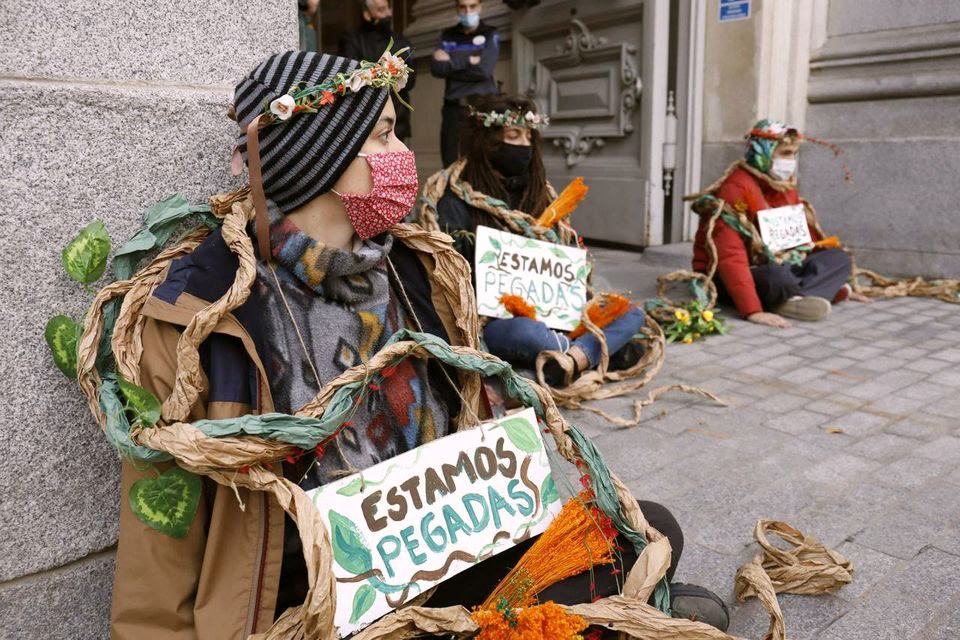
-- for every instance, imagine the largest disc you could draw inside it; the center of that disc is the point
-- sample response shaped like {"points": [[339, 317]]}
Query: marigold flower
{"points": [[707, 315], [687, 339], [682, 315]]}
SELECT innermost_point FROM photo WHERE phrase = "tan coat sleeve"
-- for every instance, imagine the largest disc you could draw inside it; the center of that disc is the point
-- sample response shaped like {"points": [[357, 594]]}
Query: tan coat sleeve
{"points": [[157, 575]]}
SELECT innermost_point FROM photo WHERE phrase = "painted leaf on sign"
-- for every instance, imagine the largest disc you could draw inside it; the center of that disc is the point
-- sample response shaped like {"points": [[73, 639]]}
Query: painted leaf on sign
{"points": [[167, 504], [362, 601], [548, 491], [349, 549], [522, 434]]}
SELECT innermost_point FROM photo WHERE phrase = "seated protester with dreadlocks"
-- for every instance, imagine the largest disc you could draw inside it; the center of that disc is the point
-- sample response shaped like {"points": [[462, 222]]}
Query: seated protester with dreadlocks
{"points": [[334, 277], [499, 181], [800, 284]]}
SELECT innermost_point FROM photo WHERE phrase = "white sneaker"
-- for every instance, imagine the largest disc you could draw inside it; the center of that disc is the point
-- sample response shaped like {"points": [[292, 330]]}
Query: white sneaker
{"points": [[809, 308]]}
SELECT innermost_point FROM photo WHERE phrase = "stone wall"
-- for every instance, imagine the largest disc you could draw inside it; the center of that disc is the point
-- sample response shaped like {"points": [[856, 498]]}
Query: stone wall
{"points": [[104, 108], [886, 87]]}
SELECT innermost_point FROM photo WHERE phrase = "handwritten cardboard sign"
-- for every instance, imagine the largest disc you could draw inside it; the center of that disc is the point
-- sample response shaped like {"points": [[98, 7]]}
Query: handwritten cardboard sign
{"points": [[412, 521], [784, 227], [551, 277]]}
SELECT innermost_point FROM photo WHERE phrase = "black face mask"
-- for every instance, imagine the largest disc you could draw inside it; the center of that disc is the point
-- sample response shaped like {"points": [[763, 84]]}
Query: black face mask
{"points": [[384, 25], [511, 159]]}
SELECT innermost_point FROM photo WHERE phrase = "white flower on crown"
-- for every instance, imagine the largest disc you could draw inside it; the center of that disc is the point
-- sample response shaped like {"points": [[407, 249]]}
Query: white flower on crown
{"points": [[479, 40], [356, 83], [776, 128], [530, 116], [283, 106]]}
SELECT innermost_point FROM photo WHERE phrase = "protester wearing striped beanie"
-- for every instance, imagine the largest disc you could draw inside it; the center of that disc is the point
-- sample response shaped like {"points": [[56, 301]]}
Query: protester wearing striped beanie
{"points": [[304, 117], [304, 157]]}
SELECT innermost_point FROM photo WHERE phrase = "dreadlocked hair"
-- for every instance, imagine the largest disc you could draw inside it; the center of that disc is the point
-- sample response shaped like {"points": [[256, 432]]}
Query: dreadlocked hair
{"points": [[477, 144]]}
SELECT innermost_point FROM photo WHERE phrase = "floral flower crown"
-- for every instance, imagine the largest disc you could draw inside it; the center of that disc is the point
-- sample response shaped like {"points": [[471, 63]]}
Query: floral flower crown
{"points": [[510, 118], [390, 71]]}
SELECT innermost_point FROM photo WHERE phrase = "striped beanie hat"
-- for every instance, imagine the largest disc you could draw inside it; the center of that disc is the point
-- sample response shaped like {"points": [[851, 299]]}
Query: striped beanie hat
{"points": [[304, 156]]}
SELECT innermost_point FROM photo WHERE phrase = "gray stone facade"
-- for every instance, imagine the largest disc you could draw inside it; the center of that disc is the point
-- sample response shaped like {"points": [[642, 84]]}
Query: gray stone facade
{"points": [[104, 108], [886, 87]]}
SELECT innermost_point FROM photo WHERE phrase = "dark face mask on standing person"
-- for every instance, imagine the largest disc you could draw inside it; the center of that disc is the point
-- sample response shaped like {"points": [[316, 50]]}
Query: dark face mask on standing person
{"points": [[511, 160], [384, 25]]}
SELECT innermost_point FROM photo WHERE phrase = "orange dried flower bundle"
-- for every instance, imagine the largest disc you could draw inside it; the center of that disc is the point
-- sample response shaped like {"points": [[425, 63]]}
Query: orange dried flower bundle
{"points": [[579, 538], [602, 310], [543, 622], [568, 200], [518, 307], [830, 242]]}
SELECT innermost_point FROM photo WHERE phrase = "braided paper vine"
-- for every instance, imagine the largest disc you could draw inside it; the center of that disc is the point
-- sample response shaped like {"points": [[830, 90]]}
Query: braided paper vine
{"points": [[389, 71], [167, 502]]}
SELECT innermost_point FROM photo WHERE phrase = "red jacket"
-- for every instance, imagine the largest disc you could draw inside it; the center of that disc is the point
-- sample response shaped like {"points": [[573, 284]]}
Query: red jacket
{"points": [[733, 256]]}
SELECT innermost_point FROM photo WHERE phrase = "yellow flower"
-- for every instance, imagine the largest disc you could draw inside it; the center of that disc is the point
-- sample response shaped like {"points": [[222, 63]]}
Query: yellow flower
{"points": [[707, 315], [682, 315], [687, 339]]}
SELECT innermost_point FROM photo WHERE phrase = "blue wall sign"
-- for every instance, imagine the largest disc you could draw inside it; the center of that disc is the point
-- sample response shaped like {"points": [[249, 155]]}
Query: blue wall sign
{"points": [[734, 10]]}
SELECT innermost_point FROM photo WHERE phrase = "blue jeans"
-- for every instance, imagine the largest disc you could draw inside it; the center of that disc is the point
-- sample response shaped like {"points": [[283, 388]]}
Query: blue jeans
{"points": [[520, 340]]}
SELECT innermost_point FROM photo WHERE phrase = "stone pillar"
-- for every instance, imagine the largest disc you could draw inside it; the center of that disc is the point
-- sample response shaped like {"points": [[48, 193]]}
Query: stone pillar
{"points": [[730, 90], [885, 86], [105, 108]]}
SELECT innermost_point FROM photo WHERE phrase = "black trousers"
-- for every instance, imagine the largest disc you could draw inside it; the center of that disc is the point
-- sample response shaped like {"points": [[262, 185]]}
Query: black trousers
{"points": [[471, 587], [453, 118], [821, 274]]}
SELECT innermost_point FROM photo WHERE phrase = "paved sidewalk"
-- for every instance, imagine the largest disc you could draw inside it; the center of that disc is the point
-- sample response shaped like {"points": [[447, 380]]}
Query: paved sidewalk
{"points": [[884, 491]]}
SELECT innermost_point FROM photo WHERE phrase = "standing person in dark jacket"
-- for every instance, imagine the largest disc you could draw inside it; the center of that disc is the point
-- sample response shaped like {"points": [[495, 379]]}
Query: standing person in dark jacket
{"points": [[466, 57], [370, 40]]}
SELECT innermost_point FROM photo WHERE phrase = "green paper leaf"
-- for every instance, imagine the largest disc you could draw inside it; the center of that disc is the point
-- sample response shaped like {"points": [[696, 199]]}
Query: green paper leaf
{"points": [[488, 257], [349, 549], [352, 488], [522, 434], [85, 257], [141, 403], [167, 504], [495, 243], [362, 601], [160, 221], [583, 271], [548, 491], [62, 334], [558, 252]]}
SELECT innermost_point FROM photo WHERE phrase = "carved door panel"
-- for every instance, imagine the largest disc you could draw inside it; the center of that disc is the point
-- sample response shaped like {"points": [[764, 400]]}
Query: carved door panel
{"points": [[599, 70]]}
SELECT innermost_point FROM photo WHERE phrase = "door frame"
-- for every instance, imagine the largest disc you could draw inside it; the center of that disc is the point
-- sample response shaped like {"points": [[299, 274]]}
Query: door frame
{"points": [[690, 47]]}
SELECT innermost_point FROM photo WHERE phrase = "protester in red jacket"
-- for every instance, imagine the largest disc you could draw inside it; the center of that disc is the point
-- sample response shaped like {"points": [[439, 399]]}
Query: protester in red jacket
{"points": [[764, 293]]}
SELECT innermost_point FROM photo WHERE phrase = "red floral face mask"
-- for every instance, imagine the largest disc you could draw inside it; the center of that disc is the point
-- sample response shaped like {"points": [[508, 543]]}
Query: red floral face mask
{"points": [[393, 195]]}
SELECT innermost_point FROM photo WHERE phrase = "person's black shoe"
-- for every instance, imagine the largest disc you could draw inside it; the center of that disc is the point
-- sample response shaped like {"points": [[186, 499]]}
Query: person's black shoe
{"points": [[560, 369], [698, 604], [628, 356]]}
